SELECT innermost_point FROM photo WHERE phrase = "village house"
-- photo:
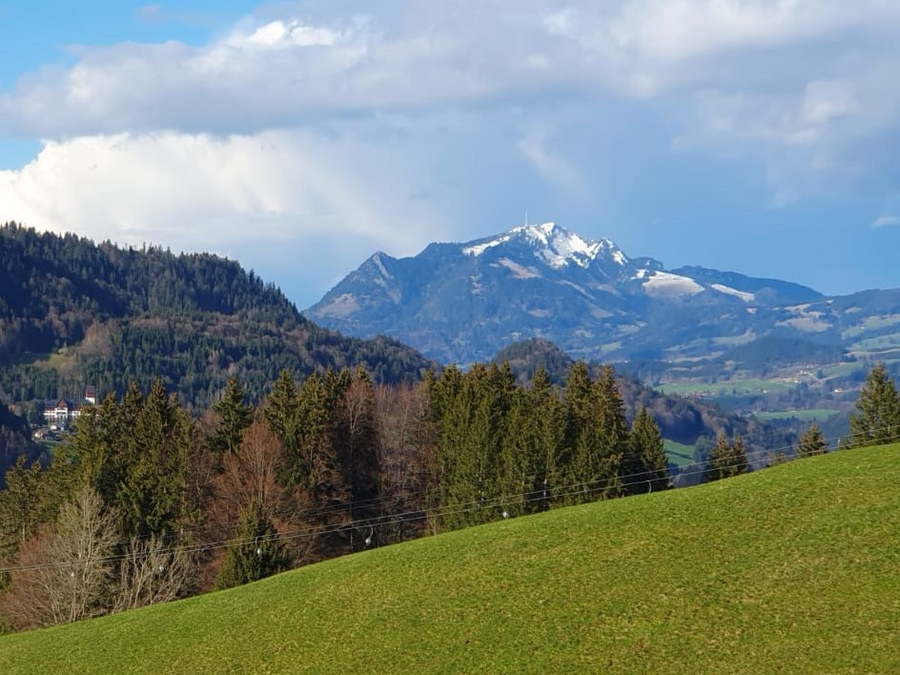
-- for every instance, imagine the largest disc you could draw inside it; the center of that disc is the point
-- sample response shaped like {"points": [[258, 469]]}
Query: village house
{"points": [[62, 412]]}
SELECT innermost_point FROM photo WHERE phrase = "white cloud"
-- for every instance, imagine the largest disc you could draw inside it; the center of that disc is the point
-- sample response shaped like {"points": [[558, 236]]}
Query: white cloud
{"points": [[206, 140], [884, 221], [196, 192], [286, 34], [789, 72], [276, 70]]}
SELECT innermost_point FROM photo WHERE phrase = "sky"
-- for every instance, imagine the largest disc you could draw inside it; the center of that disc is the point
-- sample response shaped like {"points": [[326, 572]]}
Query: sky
{"points": [[757, 136]]}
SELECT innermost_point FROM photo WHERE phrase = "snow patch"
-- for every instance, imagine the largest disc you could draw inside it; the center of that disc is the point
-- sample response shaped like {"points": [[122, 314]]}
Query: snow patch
{"points": [[555, 245], [478, 249], [727, 290], [380, 265], [559, 247], [518, 271], [666, 285]]}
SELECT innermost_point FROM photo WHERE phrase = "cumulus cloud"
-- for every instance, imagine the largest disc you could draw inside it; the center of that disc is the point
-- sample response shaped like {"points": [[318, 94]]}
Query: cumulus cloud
{"points": [[198, 191], [276, 70], [804, 81]]}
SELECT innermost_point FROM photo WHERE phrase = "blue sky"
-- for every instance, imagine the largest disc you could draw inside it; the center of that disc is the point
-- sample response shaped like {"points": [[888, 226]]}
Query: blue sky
{"points": [[759, 136]]}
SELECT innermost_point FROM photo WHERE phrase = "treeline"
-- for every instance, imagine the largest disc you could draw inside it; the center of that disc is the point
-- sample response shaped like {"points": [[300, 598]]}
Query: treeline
{"points": [[145, 503], [56, 286], [322, 467], [680, 419]]}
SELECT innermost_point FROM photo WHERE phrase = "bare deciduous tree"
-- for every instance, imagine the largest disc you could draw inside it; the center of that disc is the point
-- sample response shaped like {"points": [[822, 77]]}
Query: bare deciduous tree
{"points": [[402, 413], [151, 572], [251, 474], [65, 572]]}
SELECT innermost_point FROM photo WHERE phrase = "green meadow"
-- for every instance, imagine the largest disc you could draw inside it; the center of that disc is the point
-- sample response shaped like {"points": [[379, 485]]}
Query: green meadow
{"points": [[792, 569]]}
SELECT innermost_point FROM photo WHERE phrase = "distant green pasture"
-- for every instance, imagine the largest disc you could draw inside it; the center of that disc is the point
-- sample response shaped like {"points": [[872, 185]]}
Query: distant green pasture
{"points": [[816, 414]]}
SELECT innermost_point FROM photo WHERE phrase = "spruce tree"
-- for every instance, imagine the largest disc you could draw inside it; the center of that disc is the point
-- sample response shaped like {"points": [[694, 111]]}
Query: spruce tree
{"points": [[550, 457], [234, 417], [614, 434], [518, 449], [726, 459], [359, 447], [24, 505], [578, 467], [877, 418], [812, 442], [645, 466], [257, 552], [280, 409], [150, 497]]}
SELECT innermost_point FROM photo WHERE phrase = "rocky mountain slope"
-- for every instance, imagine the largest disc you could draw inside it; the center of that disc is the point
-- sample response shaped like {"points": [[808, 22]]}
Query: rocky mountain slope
{"points": [[464, 302]]}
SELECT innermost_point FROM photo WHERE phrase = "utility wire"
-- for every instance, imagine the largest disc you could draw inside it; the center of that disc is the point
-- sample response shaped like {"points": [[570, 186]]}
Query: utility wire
{"points": [[494, 502]]}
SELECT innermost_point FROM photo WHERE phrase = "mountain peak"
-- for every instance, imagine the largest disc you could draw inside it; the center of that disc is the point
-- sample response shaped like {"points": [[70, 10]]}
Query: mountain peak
{"points": [[554, 244], [464, 301]]}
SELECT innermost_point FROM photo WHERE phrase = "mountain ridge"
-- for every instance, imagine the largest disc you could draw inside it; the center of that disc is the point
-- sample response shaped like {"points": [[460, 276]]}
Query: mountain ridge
{"points": [[463, 302]]}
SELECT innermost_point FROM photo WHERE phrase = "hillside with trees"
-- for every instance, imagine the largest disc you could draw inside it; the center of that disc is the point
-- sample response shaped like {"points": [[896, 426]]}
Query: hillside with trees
{"points": [[15, 442], [74, 313], [326, 465], [144, 503]]}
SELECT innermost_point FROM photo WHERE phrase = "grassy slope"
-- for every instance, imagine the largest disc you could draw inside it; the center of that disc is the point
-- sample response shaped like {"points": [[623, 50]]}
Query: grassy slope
{"points": [[796, 568]]}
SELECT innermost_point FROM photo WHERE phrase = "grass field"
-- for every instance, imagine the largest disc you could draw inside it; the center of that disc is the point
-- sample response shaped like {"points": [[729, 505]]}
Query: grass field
{"points": [[793, 569], [734, 385], [679, 453], [815, 414]]}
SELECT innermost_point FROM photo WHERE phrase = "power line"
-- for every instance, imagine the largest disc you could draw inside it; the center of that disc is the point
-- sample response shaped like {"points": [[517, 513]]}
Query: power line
{"points": [[689, 470], [485, 503]]}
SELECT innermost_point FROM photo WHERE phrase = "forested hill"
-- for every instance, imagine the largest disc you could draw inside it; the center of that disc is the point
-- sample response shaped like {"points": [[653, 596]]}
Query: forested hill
{"points": [[15, 442], [75, 313]]}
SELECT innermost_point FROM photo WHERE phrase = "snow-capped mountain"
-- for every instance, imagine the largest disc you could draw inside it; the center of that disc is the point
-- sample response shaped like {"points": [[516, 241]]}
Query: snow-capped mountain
{"points": [[556, 246], [464, 302]]}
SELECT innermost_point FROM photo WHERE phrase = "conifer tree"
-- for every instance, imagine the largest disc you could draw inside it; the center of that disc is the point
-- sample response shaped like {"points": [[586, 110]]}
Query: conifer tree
{"points": [[358, 447], [877, 417], [280, 409], [614, 434], [812, 442], [258, 551], [150, 497], [234, 417], [581, 445], [645, 466], [518, 455], [550, 456], [726, 459], [25, 503]]}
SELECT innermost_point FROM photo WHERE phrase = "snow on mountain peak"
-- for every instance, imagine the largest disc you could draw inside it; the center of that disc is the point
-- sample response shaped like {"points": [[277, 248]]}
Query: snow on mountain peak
{"points": [[555, 245]]}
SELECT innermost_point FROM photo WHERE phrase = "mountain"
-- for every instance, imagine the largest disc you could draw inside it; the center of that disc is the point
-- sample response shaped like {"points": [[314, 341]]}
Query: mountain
{"points": [[464, 302], [74, 313]]}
